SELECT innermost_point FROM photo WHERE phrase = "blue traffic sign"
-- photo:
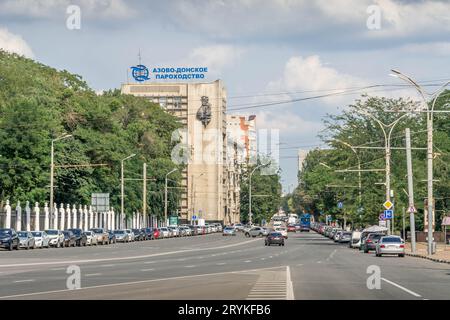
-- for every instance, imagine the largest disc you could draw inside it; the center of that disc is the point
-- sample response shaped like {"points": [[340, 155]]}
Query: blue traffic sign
{"points": [[194, 217], [388, 214], [340, 205]]}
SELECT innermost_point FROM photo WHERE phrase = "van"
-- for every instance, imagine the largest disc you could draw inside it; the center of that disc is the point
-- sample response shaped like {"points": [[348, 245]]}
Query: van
{"points": [[355, 241]]}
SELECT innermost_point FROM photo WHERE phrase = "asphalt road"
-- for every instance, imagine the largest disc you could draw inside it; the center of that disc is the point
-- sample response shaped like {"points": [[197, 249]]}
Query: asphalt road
{"points": [[216, 267]]}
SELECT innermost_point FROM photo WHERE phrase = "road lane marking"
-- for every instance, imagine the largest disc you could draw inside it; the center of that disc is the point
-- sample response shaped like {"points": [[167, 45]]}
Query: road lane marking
{"points": [[247, 261], [57, 269], [149, 262], [289, 285], [134, 282], [331, 255], [319, 261], [107, 265], [192, 266], [401, 287], [92, 274], [220, 263], [124, 258], [144, 270], [20, 281]]}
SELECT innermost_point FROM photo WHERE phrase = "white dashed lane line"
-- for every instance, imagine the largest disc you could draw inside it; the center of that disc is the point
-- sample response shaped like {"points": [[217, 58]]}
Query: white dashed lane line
{"points": [[92, 274], [190, 266], [145, 270], [20, 281]]}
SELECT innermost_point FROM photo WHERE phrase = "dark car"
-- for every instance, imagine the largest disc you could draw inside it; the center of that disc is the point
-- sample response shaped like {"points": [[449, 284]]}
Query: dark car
{"points": [[69, 239], [148, 233], [138, 235], [80, 237], [9, 239], [274, 238], [371, 242], [111, 237]]}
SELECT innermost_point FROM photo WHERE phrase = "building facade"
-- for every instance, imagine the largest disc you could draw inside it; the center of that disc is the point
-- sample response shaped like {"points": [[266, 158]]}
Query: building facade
{"points": [[201, 108]]}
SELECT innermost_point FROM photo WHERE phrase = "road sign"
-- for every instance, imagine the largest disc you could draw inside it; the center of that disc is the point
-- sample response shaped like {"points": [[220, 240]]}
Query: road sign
{"points": [[388, 214], [388, 205], [412, 209], [381, 217], [340, 205], [194, 217]]}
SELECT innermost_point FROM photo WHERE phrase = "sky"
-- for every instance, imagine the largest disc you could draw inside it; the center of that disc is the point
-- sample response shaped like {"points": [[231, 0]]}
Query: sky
{"points": [[264, 50]]}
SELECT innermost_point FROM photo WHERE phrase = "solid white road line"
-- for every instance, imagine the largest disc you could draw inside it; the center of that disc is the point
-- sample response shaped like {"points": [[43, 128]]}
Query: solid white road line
{"points": [[92, 274], [135, 282], [401, 287], [192, 266], [289, 286], [220, 263], [20, 281], [123, 258], [144, 270]]}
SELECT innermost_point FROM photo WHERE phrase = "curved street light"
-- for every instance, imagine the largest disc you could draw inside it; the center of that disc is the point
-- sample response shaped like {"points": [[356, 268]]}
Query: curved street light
{"points": [[165, 193]]}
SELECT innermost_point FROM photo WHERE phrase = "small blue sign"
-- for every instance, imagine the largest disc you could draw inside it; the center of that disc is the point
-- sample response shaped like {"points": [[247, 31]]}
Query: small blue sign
{"points": [[388, 214], [194, 217], [140, 73], [340, 205]]}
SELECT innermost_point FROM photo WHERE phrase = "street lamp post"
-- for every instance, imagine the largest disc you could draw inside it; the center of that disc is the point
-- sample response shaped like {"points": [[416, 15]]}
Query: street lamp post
{"points": [[387, 147], [122, 190], [52, 170], [193, 193], [430, 111], [165, 194]]}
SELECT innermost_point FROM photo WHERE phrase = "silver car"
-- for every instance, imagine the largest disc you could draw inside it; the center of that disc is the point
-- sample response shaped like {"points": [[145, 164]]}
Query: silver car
{"points": [[26, 239], [229, 231], [390, 245], [41, 239]]}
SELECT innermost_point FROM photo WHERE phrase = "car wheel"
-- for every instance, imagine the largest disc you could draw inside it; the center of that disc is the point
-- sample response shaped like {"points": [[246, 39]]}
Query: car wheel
{"points": [[401, 255], [247, 235], [366, 251], [11, 246], [34, 246], [58, 244], [28, 246]]}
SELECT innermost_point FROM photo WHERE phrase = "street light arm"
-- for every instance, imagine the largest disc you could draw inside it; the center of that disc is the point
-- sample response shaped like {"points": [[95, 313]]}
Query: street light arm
{"points": [[437, 94]]}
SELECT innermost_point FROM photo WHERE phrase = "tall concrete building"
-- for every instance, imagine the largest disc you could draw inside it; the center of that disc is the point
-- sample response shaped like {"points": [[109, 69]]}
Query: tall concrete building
{"points": [[301, 158], [242, 130], [201, 108]]}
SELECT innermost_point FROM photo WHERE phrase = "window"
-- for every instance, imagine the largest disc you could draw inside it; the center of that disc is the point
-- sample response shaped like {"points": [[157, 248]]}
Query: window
{"points": [[163, 102], [177, 102]]}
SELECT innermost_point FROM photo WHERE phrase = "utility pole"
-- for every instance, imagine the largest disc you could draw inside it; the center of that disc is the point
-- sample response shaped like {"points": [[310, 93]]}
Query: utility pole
{"points": [[165, 194], [122, 190], [434, 96], [410, 190], [52, 171], [144, 194]]}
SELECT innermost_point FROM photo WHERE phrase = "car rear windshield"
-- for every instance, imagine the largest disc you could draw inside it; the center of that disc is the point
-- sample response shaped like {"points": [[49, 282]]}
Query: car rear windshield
{"points": [[392, 240], [51, 232], [275, 234], [119, 232], [375, 236], [36, 234]]}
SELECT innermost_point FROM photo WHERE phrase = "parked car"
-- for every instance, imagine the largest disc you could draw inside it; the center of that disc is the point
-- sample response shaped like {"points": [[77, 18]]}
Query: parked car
{"points": [[148, 232], [56, 237], [91, 238], [26, 240], [371, 242], [337, 235], [174, 231], [138, 235], [345, 237], [229, 231], [111, 237], [80, 237], [355, 241], [238, 226], [254, 232], [274, 238], [390, 245], [70, 240], [41, 239], [9, 239], [122, 236], [164, 232], [156, 233], [130, 234], [291, 228], [101, 234], [282, 230]]}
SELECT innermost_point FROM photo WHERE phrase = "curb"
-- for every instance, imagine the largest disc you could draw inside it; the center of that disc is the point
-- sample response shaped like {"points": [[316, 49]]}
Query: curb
{"points": [[415, 255]]}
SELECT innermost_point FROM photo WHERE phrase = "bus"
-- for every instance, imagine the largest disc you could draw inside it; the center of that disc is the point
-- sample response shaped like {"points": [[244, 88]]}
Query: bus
{"points": [[305, 222]]}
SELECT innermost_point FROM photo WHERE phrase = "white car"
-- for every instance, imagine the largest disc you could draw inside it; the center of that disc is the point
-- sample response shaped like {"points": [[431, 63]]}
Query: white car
{"points": [[91, 238], [175, 231], [282, 230], [41, 239], [213, 228], [164, 232], [56, 238], [238, 226], [355, 241], [130, 234]]}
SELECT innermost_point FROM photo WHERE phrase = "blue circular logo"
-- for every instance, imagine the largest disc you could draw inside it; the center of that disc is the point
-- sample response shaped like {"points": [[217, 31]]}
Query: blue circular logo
{"points": [[140, 73]]}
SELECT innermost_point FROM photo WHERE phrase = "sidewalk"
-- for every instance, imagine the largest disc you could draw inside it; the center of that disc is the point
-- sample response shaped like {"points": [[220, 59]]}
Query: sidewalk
{"points": [[442, 252]]}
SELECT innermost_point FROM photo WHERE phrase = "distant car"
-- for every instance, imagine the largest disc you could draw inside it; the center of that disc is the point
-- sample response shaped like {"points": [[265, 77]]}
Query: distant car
{"points": [[148, 232], [56, 237], [265, 231], [101, 234], [164, 232], [337, 235], [390, 245], [91, 238], [80, 237], [291, 228], [130, 234], [254, 232], [355, 241], [26, 240], [69, 239], [229, 231], [274, 238], [41, 239], [156, 233], [138, 235], [9, 239], [282, 230], [174, 230], [371, 242], [238, 226], [111, 237], [122, 236]]}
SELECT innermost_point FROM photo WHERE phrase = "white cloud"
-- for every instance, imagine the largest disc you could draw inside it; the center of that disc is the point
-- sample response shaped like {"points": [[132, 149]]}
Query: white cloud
{"points": [[14, 43]]}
